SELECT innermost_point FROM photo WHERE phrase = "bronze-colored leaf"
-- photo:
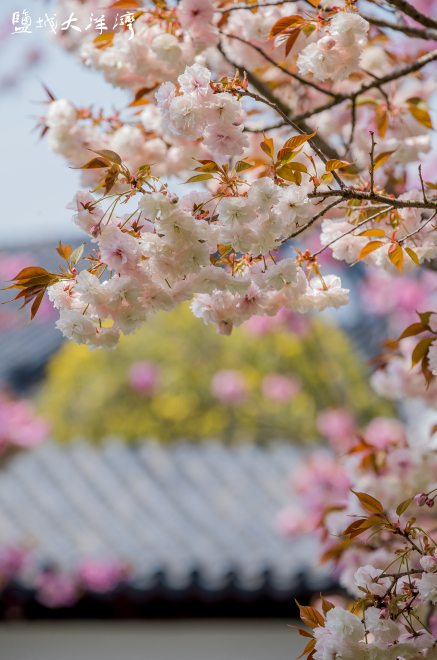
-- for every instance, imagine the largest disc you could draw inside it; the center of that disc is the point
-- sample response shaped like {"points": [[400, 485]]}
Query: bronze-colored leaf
{"points": [[311, 616], [334, 164], [308, 648], [412, 330], [64, 251], [369, 502], [421, 115], [124, 4], [421, 350], [108, 154], [292, 40], [207, 167], [382, 158], [302, 632], [326, 605], [94, 164]]}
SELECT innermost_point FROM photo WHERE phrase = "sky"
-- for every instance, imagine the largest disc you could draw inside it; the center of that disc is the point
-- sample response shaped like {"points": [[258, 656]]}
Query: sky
{"points": [[36, 184]]}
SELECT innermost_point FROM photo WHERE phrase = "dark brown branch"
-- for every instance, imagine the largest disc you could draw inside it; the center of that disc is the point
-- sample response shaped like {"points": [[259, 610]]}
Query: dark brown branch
{"points": [[312, 221], [371, 84], [297, 128], [276, 104], [286, 71], [417, 33], [351, 193], [413, 13]]}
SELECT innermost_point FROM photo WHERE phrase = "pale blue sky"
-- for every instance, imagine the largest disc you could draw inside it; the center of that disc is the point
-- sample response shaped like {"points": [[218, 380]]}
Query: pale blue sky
{"points": [[36, 184]]}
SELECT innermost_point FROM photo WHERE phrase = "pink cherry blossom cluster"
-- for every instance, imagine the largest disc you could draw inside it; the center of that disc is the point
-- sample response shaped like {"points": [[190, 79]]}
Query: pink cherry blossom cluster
{"points": [[386, 459]]}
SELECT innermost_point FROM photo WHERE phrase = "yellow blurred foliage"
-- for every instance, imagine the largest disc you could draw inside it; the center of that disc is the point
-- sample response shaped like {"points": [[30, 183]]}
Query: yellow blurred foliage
{"points": [[89, 393]]}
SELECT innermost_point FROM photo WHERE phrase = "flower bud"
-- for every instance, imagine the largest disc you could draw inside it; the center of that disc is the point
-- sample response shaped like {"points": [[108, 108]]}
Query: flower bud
{"points": [[95, 231], [327, 43], [420, 499], [172, 198], [430, 503]]}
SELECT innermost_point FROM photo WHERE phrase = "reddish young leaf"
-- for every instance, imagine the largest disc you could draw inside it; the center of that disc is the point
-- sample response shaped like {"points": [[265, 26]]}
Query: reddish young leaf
{"points": [[292, 40], [286, 23], [326, 605], [310, 616]]}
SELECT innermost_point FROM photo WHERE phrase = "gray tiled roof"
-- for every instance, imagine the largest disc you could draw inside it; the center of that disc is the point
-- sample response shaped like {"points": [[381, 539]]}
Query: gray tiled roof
{"points": [[179, 508]]}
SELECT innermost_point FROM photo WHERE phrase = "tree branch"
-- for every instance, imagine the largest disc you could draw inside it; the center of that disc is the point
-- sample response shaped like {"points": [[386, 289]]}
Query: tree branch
{"points": [[286, 71], [312, 221], [417, 33], [413, 13], [283, 110]]}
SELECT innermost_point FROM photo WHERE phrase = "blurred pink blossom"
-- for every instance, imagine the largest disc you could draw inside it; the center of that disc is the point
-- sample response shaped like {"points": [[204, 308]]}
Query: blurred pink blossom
{"points": [[55, 589], [101, 575], [382, 432], [144, 377], [337, 425], [285, 319], [12, 560], [19, 425], [229, 386], [280, 388]]}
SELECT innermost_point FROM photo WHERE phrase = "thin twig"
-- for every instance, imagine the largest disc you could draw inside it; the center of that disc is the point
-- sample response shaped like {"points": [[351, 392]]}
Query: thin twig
{"points": [[291, 123], [417, 33], [416, 231], [421, 181], [372, 164], [312, 221], [363, 222], [272, 61]]}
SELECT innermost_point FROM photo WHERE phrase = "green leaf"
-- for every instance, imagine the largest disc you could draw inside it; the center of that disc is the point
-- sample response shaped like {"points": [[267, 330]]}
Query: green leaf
{"points": [[403, 506], [240, 166], [77, 254], [199, 177]]}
